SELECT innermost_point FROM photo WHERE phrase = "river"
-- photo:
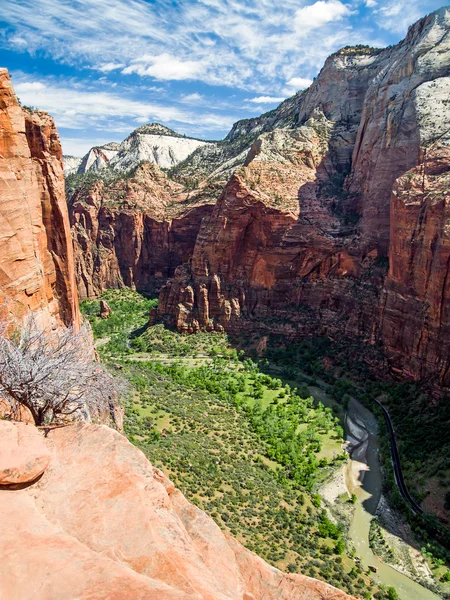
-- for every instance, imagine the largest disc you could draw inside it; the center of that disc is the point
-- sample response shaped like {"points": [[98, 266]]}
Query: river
{"points": [[368, 492]]}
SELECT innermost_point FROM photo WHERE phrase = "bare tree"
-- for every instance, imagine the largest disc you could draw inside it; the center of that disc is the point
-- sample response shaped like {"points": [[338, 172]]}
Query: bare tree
{"points": [[51, 372]]}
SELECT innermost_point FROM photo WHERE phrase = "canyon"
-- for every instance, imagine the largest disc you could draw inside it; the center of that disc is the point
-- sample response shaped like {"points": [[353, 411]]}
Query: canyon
{"points": [[325, 216], [328, 216], [85, 512]]}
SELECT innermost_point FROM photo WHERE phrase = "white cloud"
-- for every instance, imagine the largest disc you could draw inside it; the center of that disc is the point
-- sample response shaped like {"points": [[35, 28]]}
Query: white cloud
{"points": [[77, 109], [371, 3], [298, 83], [320, 13], [18, 41], [165, 67], [29, 86], [194, 98], [396, 15], [391, 10], [111, 66], [88, 109], [214, 121], [265, 100], [253, 46]]}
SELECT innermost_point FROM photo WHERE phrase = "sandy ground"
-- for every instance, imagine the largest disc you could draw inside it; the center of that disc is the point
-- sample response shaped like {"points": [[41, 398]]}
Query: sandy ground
{"points": [[334, 488], [408, 559]]}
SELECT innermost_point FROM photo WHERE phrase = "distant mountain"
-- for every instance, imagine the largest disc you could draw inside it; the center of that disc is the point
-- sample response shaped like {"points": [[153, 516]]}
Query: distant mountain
{"points": [[71, 164], [152, 143], [98, 157]]}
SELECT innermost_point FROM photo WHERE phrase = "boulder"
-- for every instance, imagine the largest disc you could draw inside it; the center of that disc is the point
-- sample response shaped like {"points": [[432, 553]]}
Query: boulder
{"points": [[23, 453], [105, 309]]}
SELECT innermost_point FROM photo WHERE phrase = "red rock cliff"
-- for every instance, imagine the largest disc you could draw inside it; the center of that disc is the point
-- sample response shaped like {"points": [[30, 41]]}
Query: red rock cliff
{"points": [[133, 232], [339, 226], [36, 255]]}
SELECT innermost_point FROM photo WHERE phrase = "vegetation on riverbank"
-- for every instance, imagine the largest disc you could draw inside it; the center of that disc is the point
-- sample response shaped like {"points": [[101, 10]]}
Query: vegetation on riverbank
{"points": [[407, 404], [378, 543], [241, 445]]}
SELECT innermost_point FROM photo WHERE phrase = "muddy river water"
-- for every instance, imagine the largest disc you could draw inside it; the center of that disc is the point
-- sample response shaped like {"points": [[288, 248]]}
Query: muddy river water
{"points": [[365, 473]]}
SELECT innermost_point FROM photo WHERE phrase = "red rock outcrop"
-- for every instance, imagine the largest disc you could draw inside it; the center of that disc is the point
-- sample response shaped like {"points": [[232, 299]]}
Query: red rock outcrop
{"points": [[133, 232], [24, 455], [103, 523], [36, 255]]}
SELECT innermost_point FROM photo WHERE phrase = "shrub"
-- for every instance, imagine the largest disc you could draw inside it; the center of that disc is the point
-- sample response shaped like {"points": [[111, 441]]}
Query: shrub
{"points": [[51, 373]]}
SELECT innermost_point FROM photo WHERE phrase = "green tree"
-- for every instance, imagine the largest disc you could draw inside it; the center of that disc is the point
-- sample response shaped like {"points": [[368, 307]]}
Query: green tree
{"points": [[392, 593]]}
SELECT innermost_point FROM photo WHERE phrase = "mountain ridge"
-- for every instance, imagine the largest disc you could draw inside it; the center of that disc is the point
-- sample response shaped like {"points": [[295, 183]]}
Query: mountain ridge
{"points": [[332, 158], [145, 143]]}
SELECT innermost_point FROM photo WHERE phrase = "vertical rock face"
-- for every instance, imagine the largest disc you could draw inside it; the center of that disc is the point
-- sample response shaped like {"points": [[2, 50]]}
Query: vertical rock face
{"points": [[36, 255], [415, 305], [133, 232], [404, 111], [337, 223]]}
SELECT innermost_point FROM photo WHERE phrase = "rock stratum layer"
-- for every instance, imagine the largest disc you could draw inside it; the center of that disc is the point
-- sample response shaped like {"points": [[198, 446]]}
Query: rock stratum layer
{"points": [[36, 255], [103, 523]]}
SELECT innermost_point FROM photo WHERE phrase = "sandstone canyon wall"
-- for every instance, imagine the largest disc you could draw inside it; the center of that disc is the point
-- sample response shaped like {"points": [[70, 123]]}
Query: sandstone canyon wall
{"points": [[324, 216], [36, 255], [133, 232], [336, 223]]}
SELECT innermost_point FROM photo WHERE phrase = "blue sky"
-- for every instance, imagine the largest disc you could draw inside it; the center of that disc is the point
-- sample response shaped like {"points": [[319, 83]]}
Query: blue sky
{"points": [[104, 67]]}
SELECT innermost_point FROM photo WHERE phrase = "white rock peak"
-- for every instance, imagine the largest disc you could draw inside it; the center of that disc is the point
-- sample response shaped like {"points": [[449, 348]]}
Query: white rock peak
{"points": [[152, 143]]}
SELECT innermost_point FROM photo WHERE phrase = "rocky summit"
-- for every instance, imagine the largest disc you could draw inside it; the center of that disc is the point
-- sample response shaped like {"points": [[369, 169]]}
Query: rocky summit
{"points": [[152, 143]]}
